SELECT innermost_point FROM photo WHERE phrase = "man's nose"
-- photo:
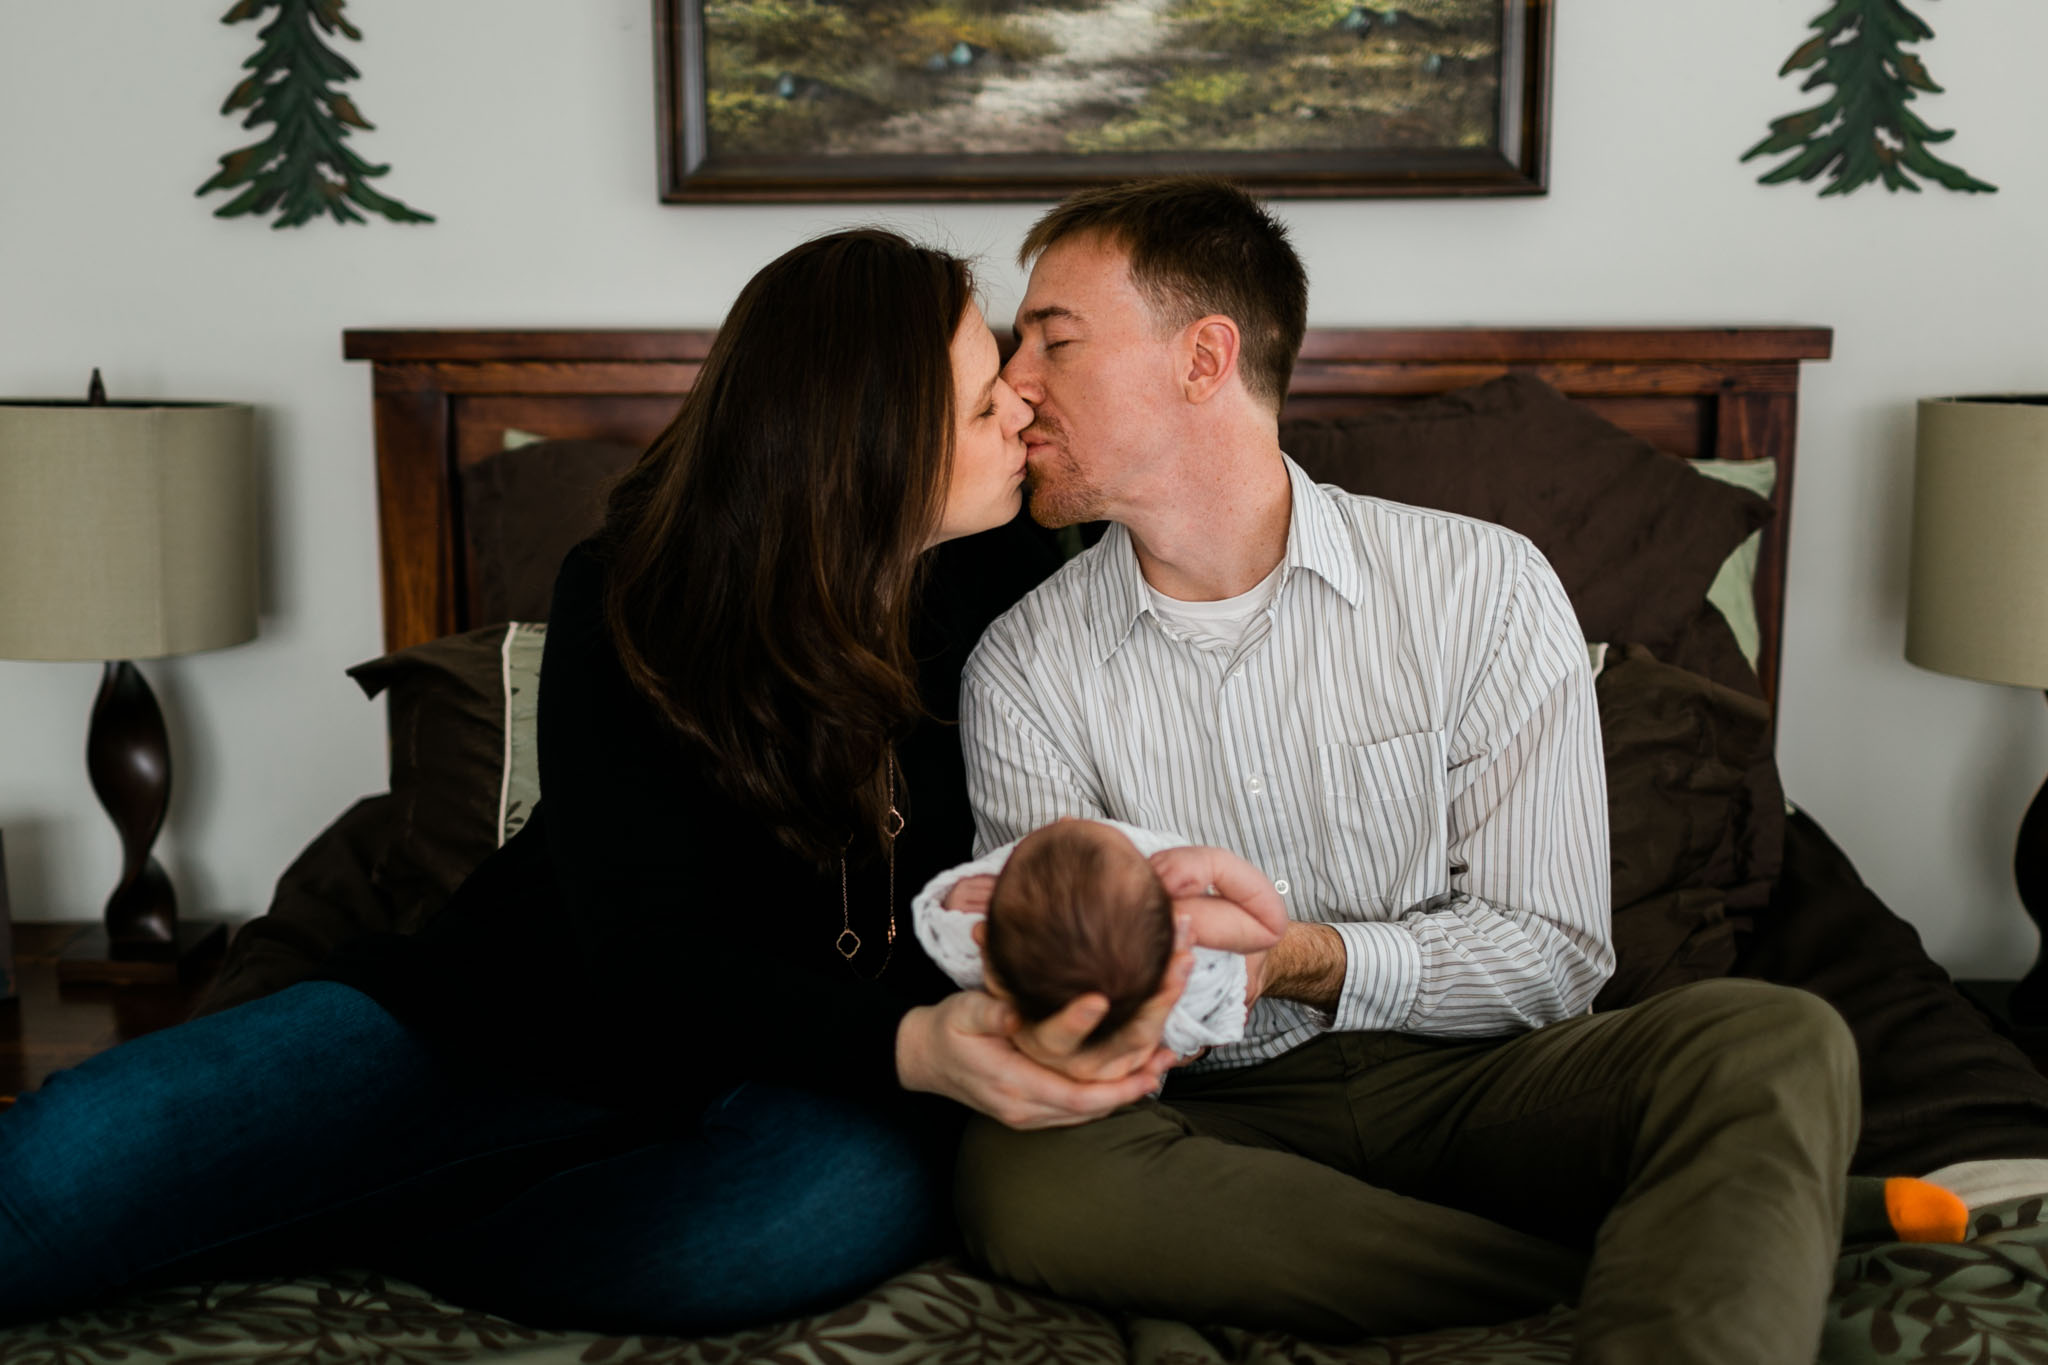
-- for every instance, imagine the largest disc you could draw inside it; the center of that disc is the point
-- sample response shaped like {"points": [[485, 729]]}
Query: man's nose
{"points": [[1019, 376]]}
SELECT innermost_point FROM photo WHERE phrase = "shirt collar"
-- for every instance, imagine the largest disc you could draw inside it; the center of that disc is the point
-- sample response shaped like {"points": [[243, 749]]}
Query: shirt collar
{"points": [[1319, 539], [1316, 540], [1116, 592]]}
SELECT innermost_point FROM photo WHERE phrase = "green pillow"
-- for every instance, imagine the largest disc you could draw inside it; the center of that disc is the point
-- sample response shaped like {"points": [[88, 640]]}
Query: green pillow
{"points": [[1734, 589], [520, 786]]}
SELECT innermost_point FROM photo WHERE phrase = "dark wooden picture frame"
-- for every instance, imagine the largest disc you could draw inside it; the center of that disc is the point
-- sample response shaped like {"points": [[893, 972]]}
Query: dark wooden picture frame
{"points": [[694, 170]]}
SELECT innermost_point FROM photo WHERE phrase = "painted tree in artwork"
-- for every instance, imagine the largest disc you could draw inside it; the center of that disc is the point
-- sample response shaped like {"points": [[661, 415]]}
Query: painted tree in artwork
{"points": [[1864, 131], [304, 168]]}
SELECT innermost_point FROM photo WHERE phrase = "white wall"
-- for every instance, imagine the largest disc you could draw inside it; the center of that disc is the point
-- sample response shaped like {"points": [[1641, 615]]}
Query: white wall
{"points": [[528, 128]]}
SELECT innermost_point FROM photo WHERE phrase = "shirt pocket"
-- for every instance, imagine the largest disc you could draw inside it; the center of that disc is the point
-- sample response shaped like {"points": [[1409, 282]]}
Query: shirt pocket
{"points": [[1385, 823]]}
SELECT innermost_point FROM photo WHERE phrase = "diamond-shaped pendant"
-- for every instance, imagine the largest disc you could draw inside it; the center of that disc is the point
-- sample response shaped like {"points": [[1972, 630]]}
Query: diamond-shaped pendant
{"points": [[846, 937]]}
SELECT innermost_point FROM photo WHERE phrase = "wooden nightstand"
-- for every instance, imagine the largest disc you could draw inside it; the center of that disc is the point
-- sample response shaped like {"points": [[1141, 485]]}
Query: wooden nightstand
{"points": [[47, 1027]]}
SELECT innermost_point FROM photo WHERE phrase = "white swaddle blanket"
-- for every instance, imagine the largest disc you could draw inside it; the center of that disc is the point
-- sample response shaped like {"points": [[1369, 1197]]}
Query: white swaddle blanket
{"points": [[1210, 1011]]}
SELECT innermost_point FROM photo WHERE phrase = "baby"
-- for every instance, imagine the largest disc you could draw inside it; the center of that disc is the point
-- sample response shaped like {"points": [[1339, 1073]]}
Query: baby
{"points": [[1071, 909]]}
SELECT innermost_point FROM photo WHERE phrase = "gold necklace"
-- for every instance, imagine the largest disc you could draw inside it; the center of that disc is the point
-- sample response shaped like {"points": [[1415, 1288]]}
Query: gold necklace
{"points": [[848, 942]]}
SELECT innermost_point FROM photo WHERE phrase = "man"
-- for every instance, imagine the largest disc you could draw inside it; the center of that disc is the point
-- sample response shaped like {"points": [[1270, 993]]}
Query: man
{"points": [[1389, 712]]}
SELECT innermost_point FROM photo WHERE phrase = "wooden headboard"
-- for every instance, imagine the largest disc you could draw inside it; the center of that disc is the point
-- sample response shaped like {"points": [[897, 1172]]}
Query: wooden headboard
{"points": [[445, 399]]}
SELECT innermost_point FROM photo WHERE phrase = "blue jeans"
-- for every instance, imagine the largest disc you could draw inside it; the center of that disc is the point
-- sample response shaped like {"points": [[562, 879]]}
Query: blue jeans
{"points": [[311, 1127]]}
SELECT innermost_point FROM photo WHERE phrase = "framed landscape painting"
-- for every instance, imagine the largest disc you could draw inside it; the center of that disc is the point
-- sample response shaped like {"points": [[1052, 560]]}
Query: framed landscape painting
{"points": [[1029, 99]]}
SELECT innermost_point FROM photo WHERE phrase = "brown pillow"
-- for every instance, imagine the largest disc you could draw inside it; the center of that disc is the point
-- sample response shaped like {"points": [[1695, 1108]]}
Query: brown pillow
{"points": [[524, 510], [1679, 754], [1669, 939], [447, 722], [1707, 646], [1679, 749], [329, 895], [1636, 536]]}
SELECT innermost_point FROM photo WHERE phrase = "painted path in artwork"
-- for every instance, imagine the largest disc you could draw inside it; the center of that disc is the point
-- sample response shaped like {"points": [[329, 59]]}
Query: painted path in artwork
{"points": [[1099, 63]]}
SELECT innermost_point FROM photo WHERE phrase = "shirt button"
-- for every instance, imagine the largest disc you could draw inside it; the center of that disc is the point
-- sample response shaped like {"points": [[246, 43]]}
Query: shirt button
{"points": [[1256, 786], [1281, 886]]}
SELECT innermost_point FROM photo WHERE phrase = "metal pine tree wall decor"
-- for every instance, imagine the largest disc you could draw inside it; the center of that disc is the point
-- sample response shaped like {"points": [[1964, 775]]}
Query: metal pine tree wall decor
{"points": [[304, 168], [1864, 130]]}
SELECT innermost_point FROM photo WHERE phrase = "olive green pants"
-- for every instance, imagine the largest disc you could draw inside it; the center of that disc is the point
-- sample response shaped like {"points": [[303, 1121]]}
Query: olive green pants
{"points": [[1676, 1169]]}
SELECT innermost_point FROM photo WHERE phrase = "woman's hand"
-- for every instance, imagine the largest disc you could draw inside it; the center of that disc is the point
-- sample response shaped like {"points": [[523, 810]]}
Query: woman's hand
{"points": [[962, 1048]]}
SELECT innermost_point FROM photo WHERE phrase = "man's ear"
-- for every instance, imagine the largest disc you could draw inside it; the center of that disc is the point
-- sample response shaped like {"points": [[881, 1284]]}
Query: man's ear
{"points": [[1211, 350]]}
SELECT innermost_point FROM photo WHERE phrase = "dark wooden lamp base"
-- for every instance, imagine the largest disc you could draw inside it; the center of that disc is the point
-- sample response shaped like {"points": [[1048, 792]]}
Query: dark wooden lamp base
{"points": [[2029, 1003], [128, 757]]}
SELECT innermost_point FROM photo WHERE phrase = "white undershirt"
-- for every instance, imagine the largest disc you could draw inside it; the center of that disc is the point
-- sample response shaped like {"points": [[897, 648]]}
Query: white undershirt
{"points": [[1216, 625]]}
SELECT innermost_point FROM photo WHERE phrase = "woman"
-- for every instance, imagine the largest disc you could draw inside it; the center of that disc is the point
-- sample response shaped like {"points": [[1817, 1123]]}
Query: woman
{"points": [[667, 1061]]}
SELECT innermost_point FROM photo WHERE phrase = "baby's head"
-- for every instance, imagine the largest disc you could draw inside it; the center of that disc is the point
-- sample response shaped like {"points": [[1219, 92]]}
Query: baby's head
{"points": [[1077, 910]]}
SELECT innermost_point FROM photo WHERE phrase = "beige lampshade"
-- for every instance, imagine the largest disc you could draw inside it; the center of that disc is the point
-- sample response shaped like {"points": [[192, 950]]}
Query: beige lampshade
{"points": [[1979, 598], [127, 530]]}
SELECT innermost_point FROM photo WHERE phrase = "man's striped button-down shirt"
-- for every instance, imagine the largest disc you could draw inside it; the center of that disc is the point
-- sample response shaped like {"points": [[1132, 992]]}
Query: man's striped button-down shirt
{"points": [[1406, 743]]}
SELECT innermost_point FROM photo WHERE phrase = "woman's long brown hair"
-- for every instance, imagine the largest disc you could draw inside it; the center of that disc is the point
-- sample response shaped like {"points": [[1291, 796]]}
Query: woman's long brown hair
{"points": [[764, 551]]}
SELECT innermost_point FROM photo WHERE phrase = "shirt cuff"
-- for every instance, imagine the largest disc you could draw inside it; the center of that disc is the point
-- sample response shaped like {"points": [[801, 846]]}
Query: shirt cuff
{"points": [[1382, 977]]}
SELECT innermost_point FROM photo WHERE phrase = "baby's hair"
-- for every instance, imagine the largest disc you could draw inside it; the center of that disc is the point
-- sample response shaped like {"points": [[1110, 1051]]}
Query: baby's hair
{"points": [[1054, 932]]}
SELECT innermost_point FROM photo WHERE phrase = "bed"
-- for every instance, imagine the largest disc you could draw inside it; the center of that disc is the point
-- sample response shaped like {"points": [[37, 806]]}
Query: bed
{"points": [[492, 449]]}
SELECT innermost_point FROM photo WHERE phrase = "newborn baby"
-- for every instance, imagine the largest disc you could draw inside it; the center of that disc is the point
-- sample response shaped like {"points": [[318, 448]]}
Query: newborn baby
{"points": [[1071, 909]]}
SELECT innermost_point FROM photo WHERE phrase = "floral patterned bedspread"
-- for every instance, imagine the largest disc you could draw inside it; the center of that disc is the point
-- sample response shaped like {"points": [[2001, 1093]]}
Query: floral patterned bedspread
{"points": [[1984, 1302]]}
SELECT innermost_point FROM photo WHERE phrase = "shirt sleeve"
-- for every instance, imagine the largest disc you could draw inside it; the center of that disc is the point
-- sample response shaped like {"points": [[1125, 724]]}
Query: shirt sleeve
{"points": [[1524, 936]]}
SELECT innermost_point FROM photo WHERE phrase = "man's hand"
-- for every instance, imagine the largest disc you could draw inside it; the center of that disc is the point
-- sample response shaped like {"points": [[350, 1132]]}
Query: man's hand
{"points": [[1232, 904], [961, 1048], [971, 894], [1236, 908]]}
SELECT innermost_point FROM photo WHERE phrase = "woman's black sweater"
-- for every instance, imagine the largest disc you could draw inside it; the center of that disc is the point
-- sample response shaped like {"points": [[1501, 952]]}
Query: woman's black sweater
{"points": [[644, 944]]}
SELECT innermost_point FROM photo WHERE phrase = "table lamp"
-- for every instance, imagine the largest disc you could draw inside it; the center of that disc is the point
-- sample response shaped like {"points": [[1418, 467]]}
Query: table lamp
{"points": [[127, 531], [1978, 604]]}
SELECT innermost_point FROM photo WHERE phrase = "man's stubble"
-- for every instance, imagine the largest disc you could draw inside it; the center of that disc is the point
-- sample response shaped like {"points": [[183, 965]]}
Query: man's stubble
{"points": [[1061, 494]]}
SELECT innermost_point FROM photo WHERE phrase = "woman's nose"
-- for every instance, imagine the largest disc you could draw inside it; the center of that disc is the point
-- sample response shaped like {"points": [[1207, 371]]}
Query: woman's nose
{"points": [[1019, 416]]}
